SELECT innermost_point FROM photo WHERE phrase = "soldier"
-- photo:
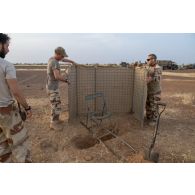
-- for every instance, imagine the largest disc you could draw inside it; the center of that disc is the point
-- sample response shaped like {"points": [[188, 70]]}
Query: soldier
{"points": [[13, 135], [154, 73], [53, 78]]}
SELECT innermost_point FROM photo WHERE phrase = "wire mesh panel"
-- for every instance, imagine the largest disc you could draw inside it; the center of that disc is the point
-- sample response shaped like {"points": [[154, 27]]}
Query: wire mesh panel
{"points": [[139, 94], [116, 84], [124, 89], [85, 86], [72, 93]]}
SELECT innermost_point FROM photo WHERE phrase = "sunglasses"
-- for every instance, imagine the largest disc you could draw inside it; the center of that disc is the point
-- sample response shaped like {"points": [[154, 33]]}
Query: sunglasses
{"points": [[149, 59]]}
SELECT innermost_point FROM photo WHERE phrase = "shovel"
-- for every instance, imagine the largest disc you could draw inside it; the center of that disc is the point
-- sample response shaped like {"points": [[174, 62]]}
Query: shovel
{"points": [[151, 155]]}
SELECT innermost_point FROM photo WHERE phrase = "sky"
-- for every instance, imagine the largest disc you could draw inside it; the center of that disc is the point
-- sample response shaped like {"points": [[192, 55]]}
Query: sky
{"points": [[102, 48]]}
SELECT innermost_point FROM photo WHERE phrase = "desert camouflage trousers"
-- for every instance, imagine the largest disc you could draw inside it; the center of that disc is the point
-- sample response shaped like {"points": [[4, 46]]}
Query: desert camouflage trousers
{"points": [[14, 146], [151, 107], [55, 102]]}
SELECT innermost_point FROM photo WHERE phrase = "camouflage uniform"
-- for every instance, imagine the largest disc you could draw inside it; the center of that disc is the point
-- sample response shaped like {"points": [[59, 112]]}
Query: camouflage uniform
{"points": [[55, 104], [52, 87], [153, 91], [13, 135]]}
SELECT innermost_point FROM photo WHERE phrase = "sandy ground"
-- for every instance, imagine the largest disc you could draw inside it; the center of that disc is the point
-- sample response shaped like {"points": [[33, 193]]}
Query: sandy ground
{"points": [[175, 143]]}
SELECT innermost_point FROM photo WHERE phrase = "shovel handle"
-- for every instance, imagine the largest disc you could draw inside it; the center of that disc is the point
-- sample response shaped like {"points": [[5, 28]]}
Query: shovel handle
{"points": [[163, 104]]}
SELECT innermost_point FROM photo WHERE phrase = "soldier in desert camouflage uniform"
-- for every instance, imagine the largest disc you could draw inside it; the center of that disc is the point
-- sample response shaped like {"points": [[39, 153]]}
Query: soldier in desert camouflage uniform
{"points": [[53, 78], [154, 73], [14, 145]]}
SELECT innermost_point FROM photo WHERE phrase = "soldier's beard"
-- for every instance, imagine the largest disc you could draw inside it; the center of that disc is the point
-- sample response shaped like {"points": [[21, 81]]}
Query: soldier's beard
{"points": [[2, 53]]}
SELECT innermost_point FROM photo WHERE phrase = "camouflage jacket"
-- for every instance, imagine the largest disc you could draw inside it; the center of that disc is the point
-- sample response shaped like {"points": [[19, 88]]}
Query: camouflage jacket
{"points": [[154, 86]]}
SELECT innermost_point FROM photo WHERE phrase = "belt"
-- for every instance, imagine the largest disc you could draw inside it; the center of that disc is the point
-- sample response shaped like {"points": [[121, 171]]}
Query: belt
{"points": [[6, 110]]}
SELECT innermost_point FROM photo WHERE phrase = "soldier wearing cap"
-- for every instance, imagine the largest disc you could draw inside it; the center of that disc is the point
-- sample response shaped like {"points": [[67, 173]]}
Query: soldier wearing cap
{"points": [[14, 145], [154, 73], [53, 78]]}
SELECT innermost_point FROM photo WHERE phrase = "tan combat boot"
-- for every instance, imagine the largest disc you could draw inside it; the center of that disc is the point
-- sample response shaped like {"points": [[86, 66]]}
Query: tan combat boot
{"points": [[56, 126]]}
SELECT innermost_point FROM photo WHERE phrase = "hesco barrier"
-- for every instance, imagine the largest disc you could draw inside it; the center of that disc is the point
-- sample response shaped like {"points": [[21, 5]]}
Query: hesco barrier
{"points": [[124, 89]]}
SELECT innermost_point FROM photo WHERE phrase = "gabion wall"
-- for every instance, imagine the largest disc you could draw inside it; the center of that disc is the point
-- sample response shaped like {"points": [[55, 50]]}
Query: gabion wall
{"points": [[124, 89], [139, 94]]}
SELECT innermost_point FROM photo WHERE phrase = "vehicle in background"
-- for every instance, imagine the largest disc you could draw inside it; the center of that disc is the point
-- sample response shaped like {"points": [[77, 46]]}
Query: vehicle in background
{"points": [[168, 65]]}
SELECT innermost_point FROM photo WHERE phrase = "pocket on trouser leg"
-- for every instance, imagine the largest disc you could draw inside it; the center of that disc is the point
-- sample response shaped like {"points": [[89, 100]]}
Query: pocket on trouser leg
{"points": [[5, 150], [19, 135], [56, 105], [5, 124], [18, 132]]}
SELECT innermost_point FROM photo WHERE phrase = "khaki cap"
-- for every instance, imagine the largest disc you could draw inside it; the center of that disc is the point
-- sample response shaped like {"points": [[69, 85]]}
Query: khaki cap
{"points": [[61, 51]]}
